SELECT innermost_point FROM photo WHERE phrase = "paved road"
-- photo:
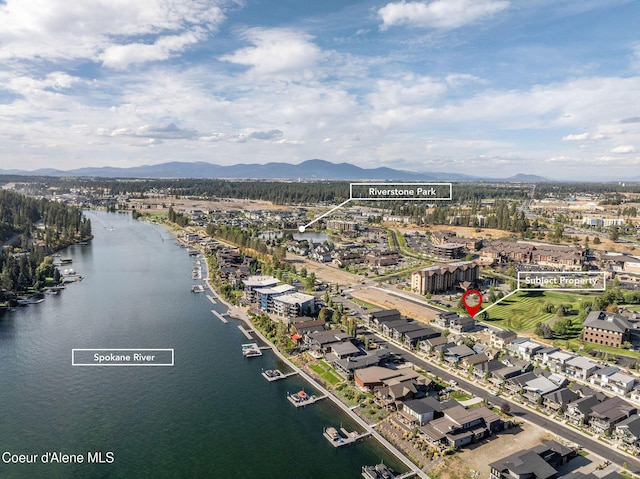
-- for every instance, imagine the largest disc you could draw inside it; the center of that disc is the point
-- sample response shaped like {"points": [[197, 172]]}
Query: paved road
{"points": [[520, 412]]}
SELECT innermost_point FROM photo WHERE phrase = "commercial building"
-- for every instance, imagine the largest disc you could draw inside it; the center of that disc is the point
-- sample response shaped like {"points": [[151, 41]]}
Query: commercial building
{"points": [[608, 329]]}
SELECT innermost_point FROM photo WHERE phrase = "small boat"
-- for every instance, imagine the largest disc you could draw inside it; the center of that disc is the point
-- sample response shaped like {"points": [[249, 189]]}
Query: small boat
{"points": [[379, 471]]}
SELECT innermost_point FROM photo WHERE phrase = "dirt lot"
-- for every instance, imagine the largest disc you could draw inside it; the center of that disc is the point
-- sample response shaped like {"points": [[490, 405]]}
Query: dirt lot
{"points": [[387, 301], [477, 457]]}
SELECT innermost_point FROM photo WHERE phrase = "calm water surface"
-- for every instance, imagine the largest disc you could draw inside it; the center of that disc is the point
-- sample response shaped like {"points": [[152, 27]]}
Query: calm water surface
{"points": [[210, 415]]}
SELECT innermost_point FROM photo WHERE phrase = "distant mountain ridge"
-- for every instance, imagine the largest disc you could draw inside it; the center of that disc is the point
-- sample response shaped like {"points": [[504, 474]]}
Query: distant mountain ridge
{"points": [[307, 170]]}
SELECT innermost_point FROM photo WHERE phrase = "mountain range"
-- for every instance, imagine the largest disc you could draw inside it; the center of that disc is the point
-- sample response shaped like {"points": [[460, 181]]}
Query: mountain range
{"points": [[307, 170]]}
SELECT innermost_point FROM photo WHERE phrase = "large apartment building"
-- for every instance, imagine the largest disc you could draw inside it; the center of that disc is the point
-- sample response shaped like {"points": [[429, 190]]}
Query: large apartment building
{"points": [[436, 279], [553, 256], [608, 329]]}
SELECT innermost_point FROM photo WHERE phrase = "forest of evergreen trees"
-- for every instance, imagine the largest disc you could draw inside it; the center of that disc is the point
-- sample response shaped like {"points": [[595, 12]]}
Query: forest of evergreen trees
{"points": [[39, 227]]}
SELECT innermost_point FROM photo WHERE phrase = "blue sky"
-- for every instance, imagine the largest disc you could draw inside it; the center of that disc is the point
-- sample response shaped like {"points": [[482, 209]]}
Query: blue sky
{"points": [[485, 87]]}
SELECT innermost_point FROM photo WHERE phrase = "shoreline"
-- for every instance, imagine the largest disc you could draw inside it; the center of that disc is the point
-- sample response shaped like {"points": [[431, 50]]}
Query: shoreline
{"points": [[239, 314]]}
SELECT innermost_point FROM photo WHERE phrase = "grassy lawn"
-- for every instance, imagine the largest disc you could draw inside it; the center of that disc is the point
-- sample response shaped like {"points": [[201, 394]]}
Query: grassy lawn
{"points": [[326, 372], [524, 310], [361, 303], [460, 396]]}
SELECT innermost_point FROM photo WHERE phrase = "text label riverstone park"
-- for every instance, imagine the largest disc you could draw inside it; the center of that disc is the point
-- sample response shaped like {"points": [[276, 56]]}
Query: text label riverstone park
{"points": [[122, 357], [568, 280], [401, 191]]}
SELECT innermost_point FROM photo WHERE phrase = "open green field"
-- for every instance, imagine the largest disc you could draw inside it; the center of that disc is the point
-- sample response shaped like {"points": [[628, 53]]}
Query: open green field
{"points": [[325, 371], [524, 310]]}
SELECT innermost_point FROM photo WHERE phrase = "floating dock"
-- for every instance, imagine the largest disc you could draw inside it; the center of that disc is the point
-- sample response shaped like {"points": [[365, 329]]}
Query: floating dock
{"points": [[219, 316], [212, 299], [301, 399], [245, 332], [250, 350], [275, 375], [342, 437]]}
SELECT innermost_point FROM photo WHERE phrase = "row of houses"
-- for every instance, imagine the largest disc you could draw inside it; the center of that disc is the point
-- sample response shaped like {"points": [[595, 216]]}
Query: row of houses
{"points": [[391, 324], [441, 423]]}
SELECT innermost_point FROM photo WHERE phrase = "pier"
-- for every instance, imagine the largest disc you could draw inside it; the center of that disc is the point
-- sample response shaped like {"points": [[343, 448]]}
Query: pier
{"points": [[219, 316], [247, 333], [343, 437], [212, 299], [301, 399], [275, 375], [250, 350]]}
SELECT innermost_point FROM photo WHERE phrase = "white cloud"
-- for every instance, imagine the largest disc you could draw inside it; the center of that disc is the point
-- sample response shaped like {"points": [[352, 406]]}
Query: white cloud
{"points": [[579, 137], [121, 56], [442, 14], [624, 149], [277, 51], [83, 29]]}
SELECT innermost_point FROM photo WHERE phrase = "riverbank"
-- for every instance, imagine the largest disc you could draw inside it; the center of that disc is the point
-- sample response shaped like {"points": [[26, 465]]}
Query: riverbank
{"points": [[241, 314]]}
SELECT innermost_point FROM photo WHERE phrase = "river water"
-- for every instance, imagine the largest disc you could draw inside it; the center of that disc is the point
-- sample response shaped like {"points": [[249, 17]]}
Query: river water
{"points": [[211, 415]]}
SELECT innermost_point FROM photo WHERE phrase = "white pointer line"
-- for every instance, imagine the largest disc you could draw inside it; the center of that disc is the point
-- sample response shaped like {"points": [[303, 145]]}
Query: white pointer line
{"points": [[302, 228], [501, 299]]}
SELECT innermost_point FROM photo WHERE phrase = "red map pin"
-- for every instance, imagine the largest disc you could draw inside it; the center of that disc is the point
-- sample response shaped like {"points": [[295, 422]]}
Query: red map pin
{"points": [[472, 304]]}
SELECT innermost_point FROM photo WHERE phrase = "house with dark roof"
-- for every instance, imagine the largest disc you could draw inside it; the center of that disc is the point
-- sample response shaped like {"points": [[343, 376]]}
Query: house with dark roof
{"points": [[455, 353], [608, 329], [539, 462], [377, 318], [474, 360], [604, 416], [484, 370], [421, 411], [429, 345], [461, 426], [413, 338], [559, 399], [499, 339], [577, 412], [627, 432]]}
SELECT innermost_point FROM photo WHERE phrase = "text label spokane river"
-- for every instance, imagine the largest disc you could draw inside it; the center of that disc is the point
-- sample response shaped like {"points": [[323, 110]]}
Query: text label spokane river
{"points": [[126, 358]]}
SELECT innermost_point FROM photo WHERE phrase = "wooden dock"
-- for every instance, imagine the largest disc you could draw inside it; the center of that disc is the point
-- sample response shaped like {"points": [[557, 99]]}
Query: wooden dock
{"points": [[212, 299], [343, 437], [302, 399], [247, 333], [251, 350], [275, 375], [219, 316]]}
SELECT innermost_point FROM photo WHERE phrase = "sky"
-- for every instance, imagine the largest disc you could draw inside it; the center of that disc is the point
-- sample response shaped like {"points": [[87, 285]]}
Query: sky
{"points": [[482, 87]]}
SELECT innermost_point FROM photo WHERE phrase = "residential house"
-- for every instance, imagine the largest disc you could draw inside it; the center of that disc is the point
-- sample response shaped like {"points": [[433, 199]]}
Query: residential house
{"points": [[475, 360], [558, 400], [461, 426], [581, 367], [375, 319], [455, 353], [557, 361], [413, 338], [499, 339], [524, 348], [539, 462], [605, 415], [627, 432], [577, 412], [421, 411], [484, 370]]}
